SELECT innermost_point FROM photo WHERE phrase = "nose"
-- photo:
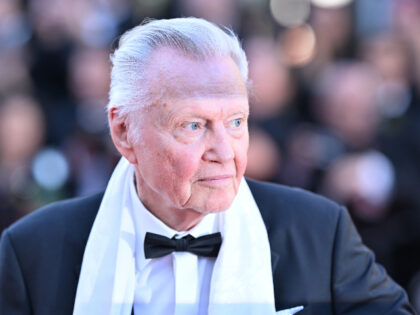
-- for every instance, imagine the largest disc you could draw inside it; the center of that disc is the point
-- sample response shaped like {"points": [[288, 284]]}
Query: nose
{"points": [[219, 146]]}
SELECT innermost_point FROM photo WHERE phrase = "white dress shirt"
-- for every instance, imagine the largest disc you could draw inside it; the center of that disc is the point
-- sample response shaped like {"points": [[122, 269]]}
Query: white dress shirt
{"points": [[178, 283], [241, 279]]}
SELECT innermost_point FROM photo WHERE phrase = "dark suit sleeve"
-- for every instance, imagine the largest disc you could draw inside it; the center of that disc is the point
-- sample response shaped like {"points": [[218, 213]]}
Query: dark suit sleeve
{"points": [[359, 285], [13, 293]]}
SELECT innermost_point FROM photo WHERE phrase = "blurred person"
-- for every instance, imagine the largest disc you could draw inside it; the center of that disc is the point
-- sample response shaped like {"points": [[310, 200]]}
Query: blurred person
{"points": [[14, 27], [256, 19], [334, 37], [399, 102], [346, 120], [407, 24], [363, 180], [88, 23], [178, 114], [49, 22], [221, 12], [91, 160], [349, 107], [309, 151], [346, 103], [399, 105], [390, 56], [89, 83], [60, 29], [272, 86], [366, 182], [272, 115], [89, 154], [406, 18], [264, 157], [14, 74], [21, 136], [50, 49], [22, 130], [96, 23]]}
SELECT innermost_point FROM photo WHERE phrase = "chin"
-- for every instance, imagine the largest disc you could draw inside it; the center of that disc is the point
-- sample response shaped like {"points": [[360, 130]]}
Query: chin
{"points": [[205, 200], [216, 205]]}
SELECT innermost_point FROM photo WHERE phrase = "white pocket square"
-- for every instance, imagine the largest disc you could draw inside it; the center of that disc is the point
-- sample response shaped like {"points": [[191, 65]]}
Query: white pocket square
{"points": [[290, 311]]}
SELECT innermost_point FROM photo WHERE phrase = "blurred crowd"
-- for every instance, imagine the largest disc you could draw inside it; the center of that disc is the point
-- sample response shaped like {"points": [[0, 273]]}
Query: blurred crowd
{"points": [[334, 96]]}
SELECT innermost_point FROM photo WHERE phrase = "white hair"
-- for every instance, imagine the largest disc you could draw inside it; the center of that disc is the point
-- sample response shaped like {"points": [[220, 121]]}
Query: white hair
{"points": [[197, 38]]}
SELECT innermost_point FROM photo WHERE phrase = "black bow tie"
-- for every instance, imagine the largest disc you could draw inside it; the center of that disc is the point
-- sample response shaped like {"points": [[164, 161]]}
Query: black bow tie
{"points": [[156, 245]]}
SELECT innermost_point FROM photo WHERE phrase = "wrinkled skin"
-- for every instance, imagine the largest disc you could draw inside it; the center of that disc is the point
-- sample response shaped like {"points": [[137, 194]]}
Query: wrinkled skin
{"points": [[190, 147]]}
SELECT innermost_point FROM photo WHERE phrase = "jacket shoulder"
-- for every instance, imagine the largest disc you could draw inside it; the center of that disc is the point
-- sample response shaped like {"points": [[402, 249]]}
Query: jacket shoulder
{"points": [[290, 206], [41, 254], [75, 214]]}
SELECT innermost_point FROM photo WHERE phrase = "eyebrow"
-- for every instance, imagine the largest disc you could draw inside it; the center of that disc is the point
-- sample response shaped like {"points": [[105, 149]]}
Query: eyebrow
{"points": [[246, 112], [169, 115], [201, 93]]}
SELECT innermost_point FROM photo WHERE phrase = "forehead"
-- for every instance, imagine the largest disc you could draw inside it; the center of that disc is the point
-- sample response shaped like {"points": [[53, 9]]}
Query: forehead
{"points": [[175, 75]]}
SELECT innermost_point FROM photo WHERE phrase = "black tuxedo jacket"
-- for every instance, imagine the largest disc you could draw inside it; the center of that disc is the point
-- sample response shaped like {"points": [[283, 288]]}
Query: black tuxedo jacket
{"points": [[318, 259]]}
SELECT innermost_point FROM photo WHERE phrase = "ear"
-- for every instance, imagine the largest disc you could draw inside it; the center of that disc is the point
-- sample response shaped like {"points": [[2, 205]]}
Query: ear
{"points": [[119, 133]]}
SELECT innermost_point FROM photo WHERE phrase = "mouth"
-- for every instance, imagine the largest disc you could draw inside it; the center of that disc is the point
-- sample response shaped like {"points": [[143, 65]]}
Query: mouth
{"points": [[218, 180]]}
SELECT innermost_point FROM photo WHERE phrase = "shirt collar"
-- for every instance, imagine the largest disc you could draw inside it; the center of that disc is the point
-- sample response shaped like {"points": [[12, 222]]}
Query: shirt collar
{"points": [[145, 221]]}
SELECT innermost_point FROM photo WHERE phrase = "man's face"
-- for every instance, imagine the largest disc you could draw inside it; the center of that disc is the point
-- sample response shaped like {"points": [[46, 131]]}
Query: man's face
{"points": [[192, 144]]}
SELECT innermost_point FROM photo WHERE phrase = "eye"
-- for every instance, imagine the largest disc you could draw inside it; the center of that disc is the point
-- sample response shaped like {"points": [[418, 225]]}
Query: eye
{"points": [[237, 122], [193, 126]]}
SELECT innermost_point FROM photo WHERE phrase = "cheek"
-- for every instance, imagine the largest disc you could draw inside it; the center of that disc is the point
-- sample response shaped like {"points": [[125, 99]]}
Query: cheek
{"points": [[154, 163], [156, 167], [185, 165], [178, 168]]}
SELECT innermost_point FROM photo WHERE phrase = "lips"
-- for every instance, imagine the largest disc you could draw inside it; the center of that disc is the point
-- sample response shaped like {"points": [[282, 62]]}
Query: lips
{"points": [[217, 177], [216, 180]]}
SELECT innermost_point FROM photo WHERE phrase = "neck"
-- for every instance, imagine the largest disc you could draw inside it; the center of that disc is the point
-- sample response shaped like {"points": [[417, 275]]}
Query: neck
{"points": [[184, 221]]}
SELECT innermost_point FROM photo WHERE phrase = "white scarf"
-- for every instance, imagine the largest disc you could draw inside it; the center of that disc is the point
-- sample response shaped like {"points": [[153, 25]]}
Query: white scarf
{"points": [[242, 279]]}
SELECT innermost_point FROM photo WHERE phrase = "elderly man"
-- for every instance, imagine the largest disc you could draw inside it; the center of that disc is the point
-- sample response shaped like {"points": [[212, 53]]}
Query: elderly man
{"points": [[178, 229]]}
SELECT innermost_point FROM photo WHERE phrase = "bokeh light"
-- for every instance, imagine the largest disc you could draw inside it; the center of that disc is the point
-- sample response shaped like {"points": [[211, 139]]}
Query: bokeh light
{"points": [[298, 45], [50, 169], [290, 13], [331, 3]]}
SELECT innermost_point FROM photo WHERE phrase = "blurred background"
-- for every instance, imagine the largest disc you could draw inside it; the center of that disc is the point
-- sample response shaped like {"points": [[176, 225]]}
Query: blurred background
{"points": [[335, 104]]}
